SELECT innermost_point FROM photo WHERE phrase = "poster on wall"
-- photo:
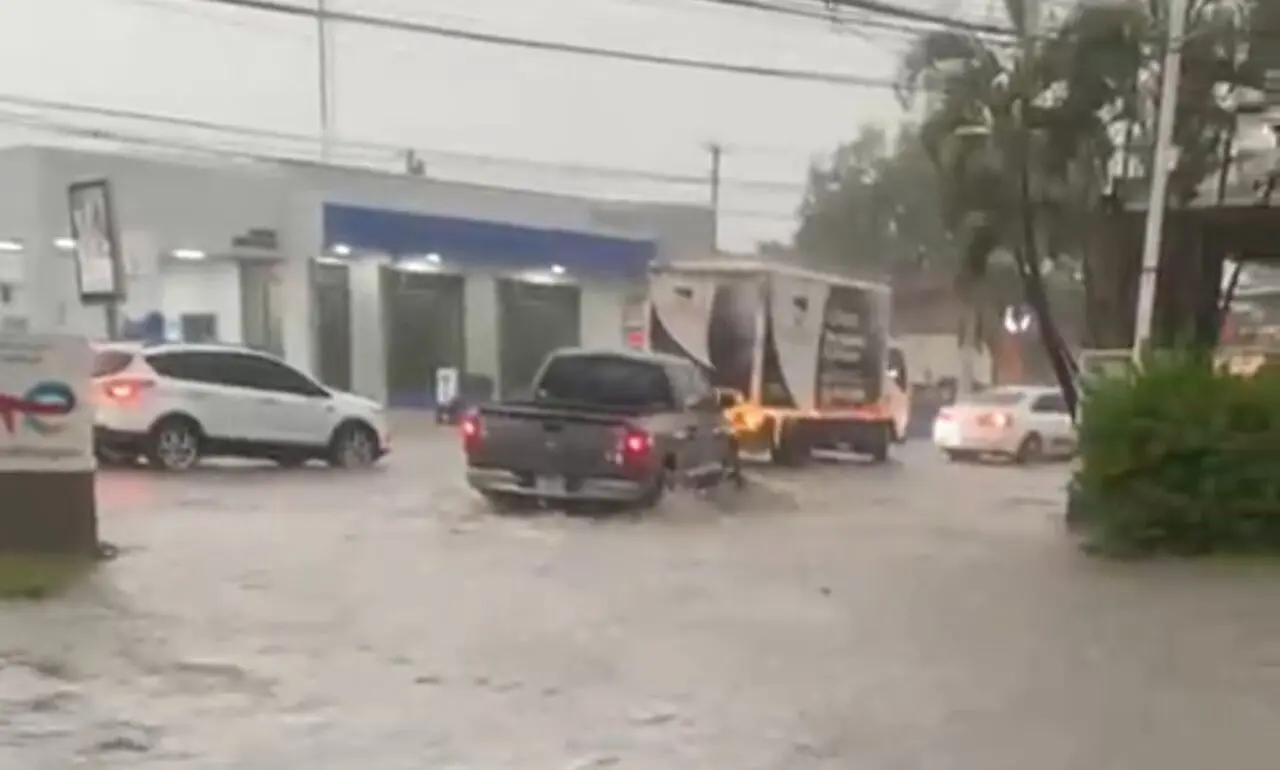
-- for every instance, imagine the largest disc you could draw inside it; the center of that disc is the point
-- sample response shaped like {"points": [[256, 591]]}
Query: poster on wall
{"points": [[46, 416], [97, 249]]}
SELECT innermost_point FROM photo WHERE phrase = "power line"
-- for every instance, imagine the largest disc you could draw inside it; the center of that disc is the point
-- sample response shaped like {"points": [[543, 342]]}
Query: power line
{"points": [[832, 13], [373, 151], [402, 25], [924, 17]]}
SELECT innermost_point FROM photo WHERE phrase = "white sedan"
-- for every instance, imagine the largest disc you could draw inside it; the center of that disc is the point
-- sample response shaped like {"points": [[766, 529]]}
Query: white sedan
{"points": [[1023, 423]]}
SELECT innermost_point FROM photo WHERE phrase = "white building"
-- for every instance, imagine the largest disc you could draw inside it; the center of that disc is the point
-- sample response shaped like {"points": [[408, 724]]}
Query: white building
{"points": [[372, 280]]}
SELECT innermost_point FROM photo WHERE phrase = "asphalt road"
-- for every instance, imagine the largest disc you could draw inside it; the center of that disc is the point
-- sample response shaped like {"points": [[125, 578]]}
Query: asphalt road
{"points": [[920, 615]]}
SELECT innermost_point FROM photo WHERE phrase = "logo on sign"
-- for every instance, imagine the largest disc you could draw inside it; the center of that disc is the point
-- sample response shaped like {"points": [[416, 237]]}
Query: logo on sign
{"points": [[41, 408]]}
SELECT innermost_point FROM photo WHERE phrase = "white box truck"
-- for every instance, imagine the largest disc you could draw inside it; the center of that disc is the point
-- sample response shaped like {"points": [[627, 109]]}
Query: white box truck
{"points": [[803, 360]]}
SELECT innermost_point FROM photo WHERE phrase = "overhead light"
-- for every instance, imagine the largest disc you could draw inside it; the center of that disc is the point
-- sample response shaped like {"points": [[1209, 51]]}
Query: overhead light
{"points": [[188, 254], [342, 250], [433, 258], [416, 265], [325, 259], [65, 244], [557, 269], [10, 246]]}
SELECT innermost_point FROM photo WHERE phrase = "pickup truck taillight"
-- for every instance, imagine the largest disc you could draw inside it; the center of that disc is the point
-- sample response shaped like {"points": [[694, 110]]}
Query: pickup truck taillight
{"points": [[472, 430], [635, 447]]}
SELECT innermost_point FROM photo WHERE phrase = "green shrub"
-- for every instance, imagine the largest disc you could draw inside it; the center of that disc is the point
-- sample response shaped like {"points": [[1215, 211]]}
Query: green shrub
{"points": [[39, 577], [1180, 457]]}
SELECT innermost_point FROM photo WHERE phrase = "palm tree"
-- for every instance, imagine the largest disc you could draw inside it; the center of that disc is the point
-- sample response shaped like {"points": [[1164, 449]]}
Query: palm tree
{"points": [[1025, 134], [987, 127]]}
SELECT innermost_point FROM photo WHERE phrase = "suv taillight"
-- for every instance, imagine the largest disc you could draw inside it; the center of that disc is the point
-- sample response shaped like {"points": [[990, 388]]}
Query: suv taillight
{"points": [[124, 390], [472, 430]]}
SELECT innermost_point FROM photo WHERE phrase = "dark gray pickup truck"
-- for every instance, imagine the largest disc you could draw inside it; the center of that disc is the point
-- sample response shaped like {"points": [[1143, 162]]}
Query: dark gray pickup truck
{"points": [[601, 427]]}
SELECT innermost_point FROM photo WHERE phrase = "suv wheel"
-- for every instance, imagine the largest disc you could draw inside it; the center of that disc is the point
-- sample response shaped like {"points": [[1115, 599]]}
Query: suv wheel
{"points": [[174, 445], [354, 446]]}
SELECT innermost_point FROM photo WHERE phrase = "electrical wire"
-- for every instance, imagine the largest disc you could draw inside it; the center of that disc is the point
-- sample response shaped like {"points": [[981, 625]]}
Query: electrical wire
{"points": [[874, 17], [368, 152], [924, 17], [402, 25]]}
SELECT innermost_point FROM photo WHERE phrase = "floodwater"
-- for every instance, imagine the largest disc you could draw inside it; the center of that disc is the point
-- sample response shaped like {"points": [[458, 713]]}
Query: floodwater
{"points": [[922, 615]]}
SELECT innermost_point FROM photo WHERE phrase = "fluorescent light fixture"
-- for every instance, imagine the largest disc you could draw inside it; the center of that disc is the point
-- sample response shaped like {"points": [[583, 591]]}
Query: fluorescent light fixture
{"points": [[342, 250], [433, 258], [188, 254], [557, 269], [10, 246], [325, 259], [65, 244], [416, 266]]}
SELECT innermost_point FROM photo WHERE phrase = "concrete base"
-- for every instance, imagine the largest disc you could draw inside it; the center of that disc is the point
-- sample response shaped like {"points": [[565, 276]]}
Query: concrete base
{"points": [[48, 513]]}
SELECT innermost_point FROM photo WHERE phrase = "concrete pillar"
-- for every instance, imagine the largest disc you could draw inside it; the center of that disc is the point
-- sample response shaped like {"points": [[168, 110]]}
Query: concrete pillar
{"points": [[480, 326], [50, 295], [301, 242], [368, 331], [297, 300], [603, 312]]}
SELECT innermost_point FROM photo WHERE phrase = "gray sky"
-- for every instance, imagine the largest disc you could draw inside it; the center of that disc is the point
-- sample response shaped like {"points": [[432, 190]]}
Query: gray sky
{"points": [[251, 69]]}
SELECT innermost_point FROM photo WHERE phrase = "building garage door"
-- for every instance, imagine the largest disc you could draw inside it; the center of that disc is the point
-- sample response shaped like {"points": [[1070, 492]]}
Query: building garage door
{"points": [[332, 286], [535, 319], [423, 319]]}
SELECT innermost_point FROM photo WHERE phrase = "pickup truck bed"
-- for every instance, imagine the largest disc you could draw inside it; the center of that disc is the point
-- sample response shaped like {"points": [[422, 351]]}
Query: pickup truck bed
{"points": [[557, 452]]}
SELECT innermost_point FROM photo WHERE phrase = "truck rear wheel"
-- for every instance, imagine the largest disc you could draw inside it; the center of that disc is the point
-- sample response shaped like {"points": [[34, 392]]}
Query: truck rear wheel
{"points": [[878, 449], [789, 446]]}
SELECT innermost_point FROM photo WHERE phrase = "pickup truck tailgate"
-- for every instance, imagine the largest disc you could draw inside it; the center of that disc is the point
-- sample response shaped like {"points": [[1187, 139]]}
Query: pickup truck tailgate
{"points": [[546, 441]]}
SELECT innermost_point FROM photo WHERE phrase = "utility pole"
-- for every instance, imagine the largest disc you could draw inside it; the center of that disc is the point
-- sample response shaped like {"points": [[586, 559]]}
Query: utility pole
{"points": [[1163, 160], [325, 64], [717, 155]]}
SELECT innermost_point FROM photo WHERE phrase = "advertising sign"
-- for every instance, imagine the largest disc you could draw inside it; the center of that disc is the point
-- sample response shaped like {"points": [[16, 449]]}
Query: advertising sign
{"points": [[446, 385], [1264, 46], [97, 249], [46, 414], [852, 356]]}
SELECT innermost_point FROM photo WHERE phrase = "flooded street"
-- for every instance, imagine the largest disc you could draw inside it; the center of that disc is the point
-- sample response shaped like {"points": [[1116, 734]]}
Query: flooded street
{"points": [[923, 615]]}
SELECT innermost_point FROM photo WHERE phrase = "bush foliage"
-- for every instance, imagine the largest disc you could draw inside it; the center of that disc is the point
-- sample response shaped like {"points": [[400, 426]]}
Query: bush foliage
{"points": [[1180, 457]]}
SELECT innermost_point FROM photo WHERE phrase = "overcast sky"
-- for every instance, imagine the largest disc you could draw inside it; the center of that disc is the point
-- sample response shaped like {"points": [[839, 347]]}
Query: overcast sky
{"points": [[184, 58]]}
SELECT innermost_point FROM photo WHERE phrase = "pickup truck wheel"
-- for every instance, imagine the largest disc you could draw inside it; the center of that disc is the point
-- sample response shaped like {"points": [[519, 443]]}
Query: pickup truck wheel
{"points": [[657, 488], [733, 468]]}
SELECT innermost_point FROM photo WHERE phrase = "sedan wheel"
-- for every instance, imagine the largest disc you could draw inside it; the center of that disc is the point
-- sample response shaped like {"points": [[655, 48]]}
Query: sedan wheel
{"points": [[1031, 450]]}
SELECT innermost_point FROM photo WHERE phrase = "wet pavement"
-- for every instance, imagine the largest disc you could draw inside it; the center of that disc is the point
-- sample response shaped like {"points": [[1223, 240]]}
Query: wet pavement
{"points": [[921, 615]]}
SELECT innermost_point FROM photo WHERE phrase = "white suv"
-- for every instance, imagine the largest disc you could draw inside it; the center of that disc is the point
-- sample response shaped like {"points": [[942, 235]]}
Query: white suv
{"points": [[176, 403]]}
